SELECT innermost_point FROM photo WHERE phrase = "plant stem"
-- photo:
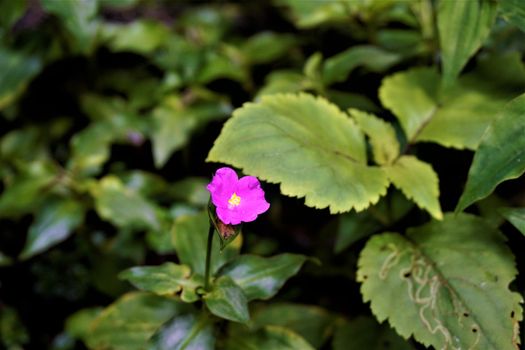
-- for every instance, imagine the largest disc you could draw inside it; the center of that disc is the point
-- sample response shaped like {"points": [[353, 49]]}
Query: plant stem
{"points": [[208, 258]]}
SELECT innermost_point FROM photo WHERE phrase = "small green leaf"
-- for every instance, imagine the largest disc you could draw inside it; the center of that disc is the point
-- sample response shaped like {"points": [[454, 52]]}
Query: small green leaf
{"points": [[266, 47], [225, 232], [313, 323], [129, 322], [227, 300], [451, 280], [281, 139], [500, 156], [365, 333], [172, 131], [123, 207], [141, 36], [270, 337], [10, 12], [28, 190], [418, 181], [462, 26], [16, 70], [353, 227], [78, 18], [338, 67], [516, 216], [514, 12], [78, 324], [457, 118], [190, 237], [191, 190], [185, 332], [382, 136], [13, 334], [168, 278], [4, 260], [53, 224], [261, 278]]}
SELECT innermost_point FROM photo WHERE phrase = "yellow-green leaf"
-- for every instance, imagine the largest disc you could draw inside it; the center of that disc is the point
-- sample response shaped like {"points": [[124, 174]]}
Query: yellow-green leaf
{"points": [[306, 144]]}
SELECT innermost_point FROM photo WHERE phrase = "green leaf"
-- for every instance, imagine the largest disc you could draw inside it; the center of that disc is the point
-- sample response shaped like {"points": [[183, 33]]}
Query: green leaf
{"points": [[282, 139], [337, 68], [141, 36], [78, 18], [78, 324], [450, 278], [500, 156], [13, 334], [418, 181], [27, 191], [190, 237], [514, 12], [123, 207], [308, 14], [227, 300], [456, 119], [130, 321], [516, 216], [284, 81], [11, 12], [4, 260], [266, 47], [313, 323], [53, 224], [270, 337], [365, 333], [165, 279], [191, 190], [353, 227], [382, 136], [462, 26], [261, 278], [185, 332], [16, 71]]}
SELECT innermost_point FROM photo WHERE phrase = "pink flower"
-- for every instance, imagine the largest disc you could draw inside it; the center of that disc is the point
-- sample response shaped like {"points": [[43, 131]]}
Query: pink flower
{"points": [[237, 200]]}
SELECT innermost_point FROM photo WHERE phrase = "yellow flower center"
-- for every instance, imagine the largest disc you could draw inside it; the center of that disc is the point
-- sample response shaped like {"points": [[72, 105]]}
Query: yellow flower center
{"points": [[235, 200]]}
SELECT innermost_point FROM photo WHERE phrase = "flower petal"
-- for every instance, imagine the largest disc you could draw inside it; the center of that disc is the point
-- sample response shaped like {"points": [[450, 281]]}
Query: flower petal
{"points": [[249, 188], [222, 186]]}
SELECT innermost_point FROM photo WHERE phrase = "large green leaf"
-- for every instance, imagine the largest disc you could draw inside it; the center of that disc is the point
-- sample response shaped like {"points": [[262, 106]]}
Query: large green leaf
{"points": [[190, 238], [500, 156], [338, 67], [53, 224], [185, 332], [418, 181], [130, 321], [514, 12], [283, 139], [462, 26], [313, 323], [268, 338], [124, 207], [16, 70], [456, 119], [227, 300], [446, 283], [168, 278], [261, 278], [366, 333], [382, 136], [516, 216]]}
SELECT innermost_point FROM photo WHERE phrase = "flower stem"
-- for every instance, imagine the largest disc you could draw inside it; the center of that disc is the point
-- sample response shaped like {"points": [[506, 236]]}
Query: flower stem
{"points": [[208, 258]]}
